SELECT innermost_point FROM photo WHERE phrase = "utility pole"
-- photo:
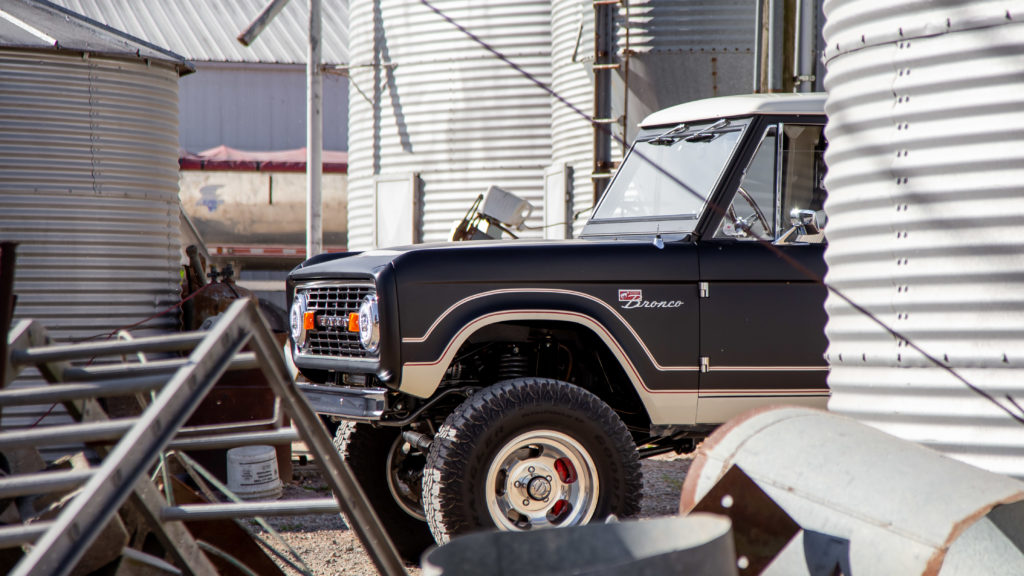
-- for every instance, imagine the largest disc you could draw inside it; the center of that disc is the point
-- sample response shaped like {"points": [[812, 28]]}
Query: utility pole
{"points": [[314, 137], [314, 117]]}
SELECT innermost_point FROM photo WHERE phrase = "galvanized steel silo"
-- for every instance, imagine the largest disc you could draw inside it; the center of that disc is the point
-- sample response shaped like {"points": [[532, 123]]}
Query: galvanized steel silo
{"points": [[572, 135], [685, 50], [668, 52], [88, 175], [430, 109], [926, 197]]}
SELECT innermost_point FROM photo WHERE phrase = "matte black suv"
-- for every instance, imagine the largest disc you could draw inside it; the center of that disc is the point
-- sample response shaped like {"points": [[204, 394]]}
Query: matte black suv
{"points": [[514, 384]]}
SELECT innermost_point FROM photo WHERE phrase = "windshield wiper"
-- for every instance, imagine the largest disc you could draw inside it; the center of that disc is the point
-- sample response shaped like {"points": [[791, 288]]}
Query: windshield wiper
{"points": [[668, 136], [673, 134], [708, 134]]}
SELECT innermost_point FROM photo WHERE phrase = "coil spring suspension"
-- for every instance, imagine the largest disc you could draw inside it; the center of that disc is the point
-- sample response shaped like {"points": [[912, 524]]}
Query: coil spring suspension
{"points": [[512, 363]]}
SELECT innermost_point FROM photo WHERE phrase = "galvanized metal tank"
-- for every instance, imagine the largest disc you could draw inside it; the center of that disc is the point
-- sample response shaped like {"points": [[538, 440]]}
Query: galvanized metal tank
{"points": [[435, 119], [926, 165], [684, 50], [572, 135], [89, 190], [668, 52]]}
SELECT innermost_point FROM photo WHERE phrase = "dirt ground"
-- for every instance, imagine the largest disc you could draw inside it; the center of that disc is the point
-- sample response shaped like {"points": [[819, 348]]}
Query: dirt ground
{"points": [[328, 547]]}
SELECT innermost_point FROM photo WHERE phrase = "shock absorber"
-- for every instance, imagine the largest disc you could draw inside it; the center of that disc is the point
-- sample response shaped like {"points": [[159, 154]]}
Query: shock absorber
{"points": [[512, 363]]}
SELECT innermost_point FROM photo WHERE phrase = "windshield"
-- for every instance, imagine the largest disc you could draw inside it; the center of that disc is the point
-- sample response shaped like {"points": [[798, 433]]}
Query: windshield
{"points": [[669, 174]]}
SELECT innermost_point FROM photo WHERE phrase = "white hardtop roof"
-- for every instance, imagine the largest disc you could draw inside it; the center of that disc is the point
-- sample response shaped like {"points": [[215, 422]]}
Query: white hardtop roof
{"points": [[742, 105]]}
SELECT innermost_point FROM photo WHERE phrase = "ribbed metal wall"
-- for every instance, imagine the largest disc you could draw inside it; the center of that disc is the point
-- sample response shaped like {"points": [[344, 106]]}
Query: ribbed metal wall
{"points": [[89, 188], [926, 197], [572, 137], [206, 30], [439, 105], [678, 51], [685, 50]]}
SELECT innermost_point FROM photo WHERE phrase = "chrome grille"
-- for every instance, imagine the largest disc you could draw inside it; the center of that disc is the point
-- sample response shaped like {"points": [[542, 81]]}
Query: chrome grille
{"points": [[337, 301]]}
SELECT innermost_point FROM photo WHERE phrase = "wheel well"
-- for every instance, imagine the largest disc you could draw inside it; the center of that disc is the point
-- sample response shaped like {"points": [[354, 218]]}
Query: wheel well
{"points": [[559, 350]]}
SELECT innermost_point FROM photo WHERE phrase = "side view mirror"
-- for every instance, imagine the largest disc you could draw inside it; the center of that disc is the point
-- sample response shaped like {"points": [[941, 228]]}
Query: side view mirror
{"points": [[808, 222], [807, 227]]}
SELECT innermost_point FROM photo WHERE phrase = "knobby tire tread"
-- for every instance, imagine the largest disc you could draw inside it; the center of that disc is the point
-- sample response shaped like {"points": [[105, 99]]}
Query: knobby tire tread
{"points": [[446, 474]]}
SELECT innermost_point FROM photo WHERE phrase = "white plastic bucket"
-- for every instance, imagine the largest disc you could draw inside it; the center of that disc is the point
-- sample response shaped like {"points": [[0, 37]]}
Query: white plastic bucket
{"points": [[252, 472]]}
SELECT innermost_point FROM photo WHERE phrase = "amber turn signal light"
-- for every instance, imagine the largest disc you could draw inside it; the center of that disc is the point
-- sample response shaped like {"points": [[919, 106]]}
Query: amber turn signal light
{"points": [[308, 321], [353, 322]]}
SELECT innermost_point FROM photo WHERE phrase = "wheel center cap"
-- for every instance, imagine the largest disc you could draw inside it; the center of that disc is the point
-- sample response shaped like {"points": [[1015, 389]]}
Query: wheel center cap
{"points": [[539, 488]]}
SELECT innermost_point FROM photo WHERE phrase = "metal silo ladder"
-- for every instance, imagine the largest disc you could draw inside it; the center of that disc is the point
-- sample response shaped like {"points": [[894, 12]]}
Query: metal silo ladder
{"points": [[606, 62], [178, 386]]}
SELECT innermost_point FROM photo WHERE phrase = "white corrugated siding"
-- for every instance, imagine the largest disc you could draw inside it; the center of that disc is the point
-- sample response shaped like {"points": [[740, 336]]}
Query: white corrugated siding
{"points": [[447, 109], [926, 192], [89, 188], [688, 25], [685, 50], [257, 108], [572, 136], [680, 51], [205, 30]]}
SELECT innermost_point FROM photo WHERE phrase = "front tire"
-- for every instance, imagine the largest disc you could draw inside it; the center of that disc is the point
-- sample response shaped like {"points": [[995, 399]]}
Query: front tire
{"points": [[529, 453], [392, 482]]}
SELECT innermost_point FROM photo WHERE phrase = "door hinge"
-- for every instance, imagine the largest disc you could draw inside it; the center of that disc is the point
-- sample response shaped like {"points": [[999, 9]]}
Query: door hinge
{"points": [[705, 364], [705, 290]]}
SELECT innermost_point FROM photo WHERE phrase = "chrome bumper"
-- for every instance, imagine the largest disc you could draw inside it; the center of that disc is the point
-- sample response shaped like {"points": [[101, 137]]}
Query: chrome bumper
{"points": [[345, 401]]}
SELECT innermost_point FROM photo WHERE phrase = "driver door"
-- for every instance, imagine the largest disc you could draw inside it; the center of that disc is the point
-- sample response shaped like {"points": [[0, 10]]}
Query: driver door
{"points": [[762, 335]]}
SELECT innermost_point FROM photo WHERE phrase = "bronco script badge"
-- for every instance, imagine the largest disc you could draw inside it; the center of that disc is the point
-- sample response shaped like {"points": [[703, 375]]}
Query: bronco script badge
{"points": [[634, 298]]}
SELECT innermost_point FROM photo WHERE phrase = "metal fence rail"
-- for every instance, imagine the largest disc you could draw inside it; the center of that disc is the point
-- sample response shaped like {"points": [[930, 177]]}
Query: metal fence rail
{"points": [[177, 387]]}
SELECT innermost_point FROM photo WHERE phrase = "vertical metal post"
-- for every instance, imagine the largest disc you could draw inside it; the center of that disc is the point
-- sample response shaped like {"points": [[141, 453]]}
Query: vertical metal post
{"points": [[776, 45], [806, 46], [314, 136], [627, 52], [8, 258], [604, 55], [758, 46]]}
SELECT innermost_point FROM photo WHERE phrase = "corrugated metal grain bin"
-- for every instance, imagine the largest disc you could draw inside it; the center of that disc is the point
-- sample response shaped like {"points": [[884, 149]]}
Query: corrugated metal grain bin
{"points": [[685, 50], [668, 52], [88, 174], [435, 119], [926, 169], [572, 135]]}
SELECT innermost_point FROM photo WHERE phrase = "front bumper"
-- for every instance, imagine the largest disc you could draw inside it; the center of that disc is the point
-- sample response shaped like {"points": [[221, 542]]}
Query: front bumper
{"points": [[347, 402]]}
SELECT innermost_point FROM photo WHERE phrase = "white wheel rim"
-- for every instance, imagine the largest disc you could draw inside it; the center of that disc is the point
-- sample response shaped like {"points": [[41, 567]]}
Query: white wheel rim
{"points": [[540, 479]]}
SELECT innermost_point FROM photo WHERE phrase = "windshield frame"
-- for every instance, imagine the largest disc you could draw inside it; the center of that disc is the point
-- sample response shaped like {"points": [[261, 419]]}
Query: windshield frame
{"points": [[680, 223]]}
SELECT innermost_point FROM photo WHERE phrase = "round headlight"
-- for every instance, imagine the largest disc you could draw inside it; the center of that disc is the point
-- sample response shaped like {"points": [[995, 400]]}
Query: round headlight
{"points": [[296, 324], [369, 323]]}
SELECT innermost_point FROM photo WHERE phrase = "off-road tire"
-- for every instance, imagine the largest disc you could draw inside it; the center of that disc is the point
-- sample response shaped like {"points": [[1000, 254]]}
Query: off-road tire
{"points": [[365, 449], [472, 436]]}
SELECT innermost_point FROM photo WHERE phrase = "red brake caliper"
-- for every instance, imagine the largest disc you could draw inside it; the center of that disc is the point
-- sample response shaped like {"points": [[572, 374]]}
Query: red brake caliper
{"points": [[567, 474], [558, 510], [566, 471]]}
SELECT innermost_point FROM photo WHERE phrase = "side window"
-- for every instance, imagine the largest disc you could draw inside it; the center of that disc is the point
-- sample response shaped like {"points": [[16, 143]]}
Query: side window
{"points": [[802, 182], [752, 211], [782, 191]]}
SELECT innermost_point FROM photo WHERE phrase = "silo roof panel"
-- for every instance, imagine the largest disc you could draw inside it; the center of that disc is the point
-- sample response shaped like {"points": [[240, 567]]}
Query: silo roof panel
{"points": [[40, 25], [206, 30]]}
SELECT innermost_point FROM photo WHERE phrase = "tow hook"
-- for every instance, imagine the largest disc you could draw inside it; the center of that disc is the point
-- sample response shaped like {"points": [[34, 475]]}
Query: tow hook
{"points": [[421, 441]]}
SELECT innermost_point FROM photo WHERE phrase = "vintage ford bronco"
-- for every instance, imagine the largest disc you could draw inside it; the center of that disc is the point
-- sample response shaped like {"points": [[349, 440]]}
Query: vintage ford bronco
{"points": [[515, 384]]}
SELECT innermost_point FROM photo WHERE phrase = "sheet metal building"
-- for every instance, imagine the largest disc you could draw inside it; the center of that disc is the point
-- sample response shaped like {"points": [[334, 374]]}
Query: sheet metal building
{"points": [[250, 98], [437, 117]]}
